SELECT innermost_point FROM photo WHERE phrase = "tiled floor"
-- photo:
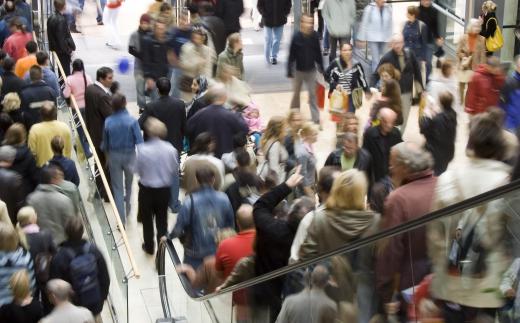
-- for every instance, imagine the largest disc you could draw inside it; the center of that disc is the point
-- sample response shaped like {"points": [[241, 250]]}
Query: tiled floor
{"points": [[143, 294]]}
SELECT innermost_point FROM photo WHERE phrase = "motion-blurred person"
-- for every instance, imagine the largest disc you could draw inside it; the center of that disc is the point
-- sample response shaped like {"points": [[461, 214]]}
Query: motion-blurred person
{"points": [[247, 185], [275, 154], [311, 302], [489, 22], [413, 178], [11, 189], [121, 134], [379, 140], [510, 139], [440, 129], [406, 62], [232, 56], [14, 45], [49, 76], [199, 225], [471, 52], [294, 121], [214, 26], [445, 81], [304, 60], [24, 64], [415, 34], [274, 16], [64, 311], [483, 229], [376, 29], [510, 98], [307, 160], [135, 48], [11, 107], [428, 15], [24, 308], [41, 134], [58, 33], [34, 96], [484, 87], [154, 184], [339, 16], [68, 166], [230, 11], [110, 14], [390, 97]]}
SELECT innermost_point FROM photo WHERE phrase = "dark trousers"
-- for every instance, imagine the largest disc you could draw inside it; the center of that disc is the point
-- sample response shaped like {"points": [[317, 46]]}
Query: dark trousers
{"points": [[99, 182], [467, 314], [333, 43], [153, 202], [65, 61]]}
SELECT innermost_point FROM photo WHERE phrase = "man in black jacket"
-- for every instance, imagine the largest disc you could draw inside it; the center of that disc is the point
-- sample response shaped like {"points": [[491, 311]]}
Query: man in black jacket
{"points": [[230, 11], [135, 49], [378, 141], [406, 62], [10, 82], [11, 191], [274, 14], [428, 15], [58, 33], [212, 24], [155, 57], [34, 95], [304, 57]]}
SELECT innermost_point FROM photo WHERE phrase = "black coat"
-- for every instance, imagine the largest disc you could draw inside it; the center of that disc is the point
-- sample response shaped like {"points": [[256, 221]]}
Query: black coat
{"points": [[11, 191], [198, 105], [274, 12], [33, 96], [411, 72], [58, 33], [154, 57], [230, 11], [221, 123], [217, 30], [363, 161], [440, 132], [172, 113], [379, 148], [98, 107], [488, 26], [429, 16], [25, 165], [11, 83], [61, 262]]}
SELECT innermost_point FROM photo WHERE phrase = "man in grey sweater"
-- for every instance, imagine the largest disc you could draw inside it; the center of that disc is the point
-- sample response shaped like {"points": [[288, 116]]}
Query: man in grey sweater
{"points": [[339, 16]]}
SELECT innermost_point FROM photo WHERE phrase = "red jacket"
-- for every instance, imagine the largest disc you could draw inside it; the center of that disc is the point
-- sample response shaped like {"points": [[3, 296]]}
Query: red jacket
{"points": [[483, 90]]}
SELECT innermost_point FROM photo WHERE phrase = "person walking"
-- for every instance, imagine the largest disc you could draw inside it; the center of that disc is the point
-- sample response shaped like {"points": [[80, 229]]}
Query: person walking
{"points": [[376, 29], [415, 33], [488, 21], [428, 14], [14, 45], [121, 134], [135, 48], [110, 15], [58, 33], [64, 310], [339, 16], [510, 98], [11, 184], [232, 56], [484, 87], [274, 14], [155, 182], [304, 61], [230, 11], [24, 308], [24, 64], [273, 149]]}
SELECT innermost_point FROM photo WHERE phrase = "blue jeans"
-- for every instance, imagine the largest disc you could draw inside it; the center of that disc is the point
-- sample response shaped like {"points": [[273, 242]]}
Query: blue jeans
{"points": [[273, 37], [99, 17], [297, 14], [326, 43], [121, 167], [139, 89], [430, 48], [175, 76], [377, 49], [175, 204]]}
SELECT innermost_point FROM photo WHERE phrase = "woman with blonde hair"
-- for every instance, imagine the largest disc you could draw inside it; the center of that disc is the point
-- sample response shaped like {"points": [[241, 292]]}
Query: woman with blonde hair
{"points": [[471, 52], [11, 104], [307, 159], [294, 121], [24, 308], [273, 150], [488, 21]]}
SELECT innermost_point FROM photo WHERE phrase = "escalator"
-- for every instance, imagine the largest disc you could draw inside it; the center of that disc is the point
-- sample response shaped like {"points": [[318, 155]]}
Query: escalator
{"points": [[357, 284]]}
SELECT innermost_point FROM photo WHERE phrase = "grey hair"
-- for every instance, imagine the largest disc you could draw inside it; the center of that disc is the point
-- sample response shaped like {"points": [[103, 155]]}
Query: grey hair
{"points": [[350, 136], [413, 156], [472, 22], [320, 276], [7, 153], [155, 128], [217, 92], [60, 289]]}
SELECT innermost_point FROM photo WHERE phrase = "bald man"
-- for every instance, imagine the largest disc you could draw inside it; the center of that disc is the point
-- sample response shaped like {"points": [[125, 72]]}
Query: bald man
{"points": [[59, 292], [379, 140]]}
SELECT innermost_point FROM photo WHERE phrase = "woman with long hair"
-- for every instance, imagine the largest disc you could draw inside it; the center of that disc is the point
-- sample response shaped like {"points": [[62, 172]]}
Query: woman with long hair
{"points": [[307, 159], [274, 150], [390, 98], [199, 88], [24, 308]]}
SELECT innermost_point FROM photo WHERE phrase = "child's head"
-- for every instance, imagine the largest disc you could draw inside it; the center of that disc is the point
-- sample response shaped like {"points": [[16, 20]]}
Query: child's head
{"points": [[252, 111], [26, 215], [309, 132]]}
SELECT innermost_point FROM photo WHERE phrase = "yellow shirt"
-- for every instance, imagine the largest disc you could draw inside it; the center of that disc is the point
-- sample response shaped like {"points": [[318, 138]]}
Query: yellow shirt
{"points": [[40, 137], [24, 64]]}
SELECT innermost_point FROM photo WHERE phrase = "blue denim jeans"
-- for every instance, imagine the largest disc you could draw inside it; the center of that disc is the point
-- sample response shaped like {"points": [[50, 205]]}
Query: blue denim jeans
{"points": [[99, 17], [326, 43], [175, 204], [377, 49], [273, 37], [175, 76], [121, 166], [430, 48]]}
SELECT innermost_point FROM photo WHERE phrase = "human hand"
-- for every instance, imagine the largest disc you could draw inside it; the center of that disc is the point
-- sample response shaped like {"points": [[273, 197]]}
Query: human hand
{"points": [[510, 293], [164, 238], [295, 178], [392, 308], [339, 88], [439, 41]]}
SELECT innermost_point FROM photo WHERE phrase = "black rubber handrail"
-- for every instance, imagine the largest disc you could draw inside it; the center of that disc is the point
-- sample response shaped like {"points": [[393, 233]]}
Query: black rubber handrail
{"points": [[414, 224]]}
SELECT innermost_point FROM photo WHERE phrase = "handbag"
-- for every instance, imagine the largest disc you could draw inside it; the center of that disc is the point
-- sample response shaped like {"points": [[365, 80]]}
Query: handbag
{"points": [[496, 41], [338, 102], [357, 97]]}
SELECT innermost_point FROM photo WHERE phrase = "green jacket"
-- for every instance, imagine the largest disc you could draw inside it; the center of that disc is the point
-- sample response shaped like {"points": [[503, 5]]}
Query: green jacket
{"points": [[236, 60]]}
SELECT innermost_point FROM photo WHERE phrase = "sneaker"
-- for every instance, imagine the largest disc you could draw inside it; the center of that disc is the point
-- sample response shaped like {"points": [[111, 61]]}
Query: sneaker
{"points": [[274, 61], [325, 52]]}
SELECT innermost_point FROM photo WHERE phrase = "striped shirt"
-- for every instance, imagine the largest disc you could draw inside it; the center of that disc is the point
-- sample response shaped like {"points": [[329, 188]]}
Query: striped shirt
{"points": [[348, 78], [11, 262]]}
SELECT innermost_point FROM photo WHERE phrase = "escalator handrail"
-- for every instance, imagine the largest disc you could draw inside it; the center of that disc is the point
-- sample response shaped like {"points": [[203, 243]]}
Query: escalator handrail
{"points": [[120, 226], [410, 225]]}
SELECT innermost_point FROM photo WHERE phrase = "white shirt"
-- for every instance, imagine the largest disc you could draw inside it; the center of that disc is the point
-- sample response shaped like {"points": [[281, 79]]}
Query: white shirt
{"points": [[107, 91], [301, 234]]}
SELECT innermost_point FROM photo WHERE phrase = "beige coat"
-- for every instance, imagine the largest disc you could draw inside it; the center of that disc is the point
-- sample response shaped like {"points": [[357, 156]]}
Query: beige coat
{"points": [[479, 56], [197, 61]]}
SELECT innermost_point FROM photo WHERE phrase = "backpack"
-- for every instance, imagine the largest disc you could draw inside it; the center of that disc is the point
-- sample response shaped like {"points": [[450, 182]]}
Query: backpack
{"points": [[83, 273]]}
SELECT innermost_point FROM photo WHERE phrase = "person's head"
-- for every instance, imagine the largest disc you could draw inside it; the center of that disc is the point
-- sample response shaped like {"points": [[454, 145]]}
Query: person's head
{"points": [[412, 12], [20, 286], [346, 52], [26, 216], [295, 120], [9, 239], [319, 277], [9, 6], [218, 94], [234, 41], [199, 85], [51, 174], [397, 43], [184, 20], [31, 47], [11, 102], [198, 36], [193, 9], [204, 143], [326, 177], [78, 65], [493, 65], [59, 5], [145, 22], [387, 71], [309, 132], [350, 144], [15, 135], [446, 100], [7, 155], [155, 128], [42, 58], [57, 145], [205, 176], [74, 229], [9, 64], [474, 26], [239, 141], [348, 191], [243, 158], [406, 159], [426, 3], [48, 111], [118, 102], [245, 217], [349, 122], [35, 73], [58, 291], [489, 6], [380, 3], [447, 68], [163, 86], [307, 24], [16, 25], [517, 63], [206, 8], [387, 118], [159, 29], [105, 76], [275, 130], [391, 89], [299, 209]]}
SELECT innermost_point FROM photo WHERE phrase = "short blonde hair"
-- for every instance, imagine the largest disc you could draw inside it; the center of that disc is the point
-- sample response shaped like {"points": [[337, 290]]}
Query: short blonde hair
{"points": [[20, 285], [26, 216], [308, 129], [348, 191], [9, 239], [11, 102], [489, 6]]}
